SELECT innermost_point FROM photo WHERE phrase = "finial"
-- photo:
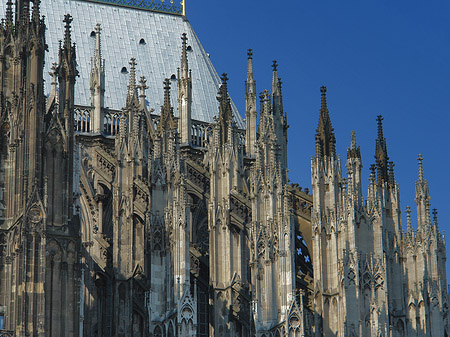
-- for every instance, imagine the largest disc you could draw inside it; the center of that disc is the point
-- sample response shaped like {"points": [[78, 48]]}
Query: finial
{"points": [[224, 78], [36, 8], [9, 13], [408, 219], [381, 155], [132, 81], [54, 73], [250, 53], [353, 141], [132, 72], [184, 43], [166, 92], [391, 173], [435, 217], [323, 90], [373, 169], [184, 58], [142, 86], [274, 65], [420, 160], [380, 127], [98, 51], [427, 211], [67, 20]]}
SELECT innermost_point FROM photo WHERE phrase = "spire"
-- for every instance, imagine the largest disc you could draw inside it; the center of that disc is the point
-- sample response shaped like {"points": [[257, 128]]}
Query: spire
{"points": [[142, 87], [67, 34], [353, 151], [435, 217], [373, 175], [97, 84], [132, 92], [250, 83], [9, 13], [420, 160], [166, 121], [422, 195], [250, 108], [36, 16], [381, 156], [98, 49], [53, 91], [391, 173], [184, 59], [408, 219], [275, 78], [225, 111], [184, 85], [167, 93], [427, 212], [353, 141], [325, 138]]}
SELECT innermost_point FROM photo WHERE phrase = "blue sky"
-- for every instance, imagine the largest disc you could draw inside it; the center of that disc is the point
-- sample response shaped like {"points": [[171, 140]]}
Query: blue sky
{"points": [[375, 57]]}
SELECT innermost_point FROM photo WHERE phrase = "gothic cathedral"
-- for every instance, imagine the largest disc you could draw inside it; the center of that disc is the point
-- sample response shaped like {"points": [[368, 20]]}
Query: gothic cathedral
{"points": [[128, 220]]}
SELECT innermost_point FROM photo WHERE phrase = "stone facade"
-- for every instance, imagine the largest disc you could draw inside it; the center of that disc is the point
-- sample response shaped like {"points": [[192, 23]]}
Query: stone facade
{"points": [[136, 223], [372, 278]]}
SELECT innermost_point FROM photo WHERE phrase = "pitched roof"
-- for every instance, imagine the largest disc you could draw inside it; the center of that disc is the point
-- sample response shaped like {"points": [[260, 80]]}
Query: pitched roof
{"points": [[158, 55]]}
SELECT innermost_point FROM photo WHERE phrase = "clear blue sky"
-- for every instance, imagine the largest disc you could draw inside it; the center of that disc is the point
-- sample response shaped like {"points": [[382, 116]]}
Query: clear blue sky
{"points": [[375, 57]]}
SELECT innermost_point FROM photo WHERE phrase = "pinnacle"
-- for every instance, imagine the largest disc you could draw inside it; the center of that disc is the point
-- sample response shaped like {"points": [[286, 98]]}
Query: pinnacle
{"points": [[325, 138], [67, 20], [435, 217], [142, 86], [184, 60], [275, 65], [323, 90], [408, 218], [250, 54], [353, 141], [132, 83], [421, 175], [167, 92]]}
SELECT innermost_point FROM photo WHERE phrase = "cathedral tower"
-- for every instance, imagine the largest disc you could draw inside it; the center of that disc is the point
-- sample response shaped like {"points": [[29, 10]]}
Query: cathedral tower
{"points": [[40, 230]]}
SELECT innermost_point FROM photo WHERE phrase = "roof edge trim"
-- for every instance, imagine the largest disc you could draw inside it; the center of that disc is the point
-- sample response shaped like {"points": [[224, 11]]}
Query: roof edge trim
{"points": [[148, 5]]}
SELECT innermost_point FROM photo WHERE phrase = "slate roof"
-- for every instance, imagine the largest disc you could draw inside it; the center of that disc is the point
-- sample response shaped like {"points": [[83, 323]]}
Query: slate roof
{"points": [[122, 30]]}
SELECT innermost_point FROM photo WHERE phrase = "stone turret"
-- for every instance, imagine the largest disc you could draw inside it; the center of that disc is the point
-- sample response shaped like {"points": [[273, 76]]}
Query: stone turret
{"points": [[250, 108], [97, 85], [184, 95]]}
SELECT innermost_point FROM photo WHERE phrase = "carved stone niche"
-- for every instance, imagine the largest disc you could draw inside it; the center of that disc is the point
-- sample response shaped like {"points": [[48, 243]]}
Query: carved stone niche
{"points": [[35, 214]]}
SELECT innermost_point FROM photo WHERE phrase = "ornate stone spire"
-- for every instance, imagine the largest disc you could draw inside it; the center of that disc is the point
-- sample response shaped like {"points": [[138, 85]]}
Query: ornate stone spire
{"points": [[435, 218], [408, 220], [391, 173], [98, 48], [275, 88], [353, 151], [225, 111], [250, 108], [422, 198], [184, 59], [97, 83], [167, 121], [184, 85], [36, 16], [325, 138], [250, 83], [142, 87], [132, 91], [381, 156], [420, 160], [67, 33], [9, 13]]}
